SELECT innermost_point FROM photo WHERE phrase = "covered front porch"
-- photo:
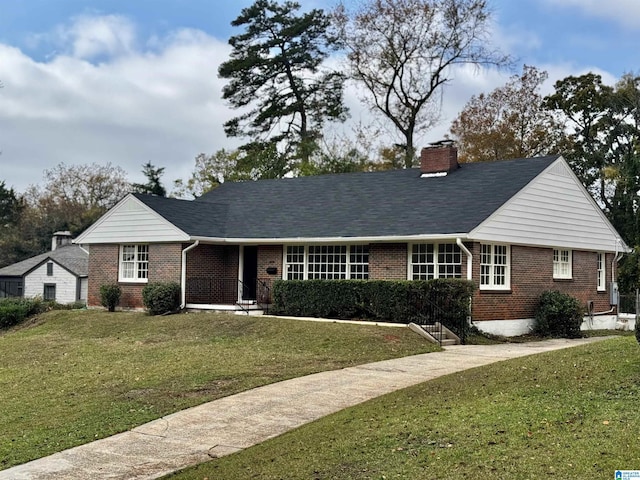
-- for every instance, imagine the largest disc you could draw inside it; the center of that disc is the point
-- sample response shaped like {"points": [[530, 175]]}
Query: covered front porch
{"points": [[231, 277]]}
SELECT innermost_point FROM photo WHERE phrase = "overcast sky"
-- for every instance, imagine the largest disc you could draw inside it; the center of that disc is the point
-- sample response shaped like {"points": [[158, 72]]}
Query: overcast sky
{"points": [[126, 82]]}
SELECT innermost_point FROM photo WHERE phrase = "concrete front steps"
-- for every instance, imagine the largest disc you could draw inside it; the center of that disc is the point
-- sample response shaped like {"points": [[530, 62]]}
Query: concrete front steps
{"points": [[250, 307], [436, 333]]}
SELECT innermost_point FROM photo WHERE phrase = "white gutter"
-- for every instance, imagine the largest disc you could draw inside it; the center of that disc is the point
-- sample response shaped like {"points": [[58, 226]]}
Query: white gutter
{"points": [[280, 241], [469, 258], [183, 274]]}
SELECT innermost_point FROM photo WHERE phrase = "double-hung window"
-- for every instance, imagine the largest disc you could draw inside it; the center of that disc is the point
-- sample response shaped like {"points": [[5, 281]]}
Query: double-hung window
{"points": [[561, 263], [432, 260], [295, 262], [494, 267], [602, 273], [134, 263], [49, 293], [327, 262]]}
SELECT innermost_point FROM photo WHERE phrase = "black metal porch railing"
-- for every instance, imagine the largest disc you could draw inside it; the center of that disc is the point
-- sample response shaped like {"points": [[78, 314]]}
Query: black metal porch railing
{"points": [[224, 291], [212, 291]]}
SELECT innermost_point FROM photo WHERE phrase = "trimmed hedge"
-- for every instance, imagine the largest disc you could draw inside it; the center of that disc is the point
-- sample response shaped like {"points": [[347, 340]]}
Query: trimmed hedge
{"points": [[443, 300], [558, 315], [161, 298], [15, 310]]}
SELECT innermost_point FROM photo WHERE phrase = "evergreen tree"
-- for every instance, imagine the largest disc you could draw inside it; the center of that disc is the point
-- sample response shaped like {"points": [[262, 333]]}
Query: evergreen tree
{"points": [[275, 78], [154, 185]]}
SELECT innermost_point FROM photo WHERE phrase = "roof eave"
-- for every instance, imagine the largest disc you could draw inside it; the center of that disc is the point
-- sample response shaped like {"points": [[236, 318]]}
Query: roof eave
{"points": [[362, 239]]}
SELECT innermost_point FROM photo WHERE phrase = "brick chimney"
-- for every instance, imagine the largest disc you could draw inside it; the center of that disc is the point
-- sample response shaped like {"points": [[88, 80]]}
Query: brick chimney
{"points": [[439, 158], [60, 239]]}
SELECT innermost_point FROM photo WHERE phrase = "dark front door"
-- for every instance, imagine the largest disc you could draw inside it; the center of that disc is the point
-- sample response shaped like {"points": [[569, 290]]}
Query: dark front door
{"points": [[249, 273]]}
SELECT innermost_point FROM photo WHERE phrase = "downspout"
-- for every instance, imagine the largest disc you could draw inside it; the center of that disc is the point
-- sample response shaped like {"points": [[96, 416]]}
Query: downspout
{"points": [[469, 258], [183, 274], [469, 272], [614, 264]]}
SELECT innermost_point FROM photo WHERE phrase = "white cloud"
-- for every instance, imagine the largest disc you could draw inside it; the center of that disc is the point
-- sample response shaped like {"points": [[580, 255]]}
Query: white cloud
{"points": [[162, 105], [93, 36], [624, 12]]}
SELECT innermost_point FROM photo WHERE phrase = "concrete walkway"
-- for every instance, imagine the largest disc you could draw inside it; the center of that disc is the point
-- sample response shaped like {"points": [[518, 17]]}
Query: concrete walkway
{"points": [[237, 422]]}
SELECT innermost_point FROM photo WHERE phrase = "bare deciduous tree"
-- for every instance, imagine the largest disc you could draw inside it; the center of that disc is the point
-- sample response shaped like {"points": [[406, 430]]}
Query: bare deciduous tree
{"points": [[402, 53]]}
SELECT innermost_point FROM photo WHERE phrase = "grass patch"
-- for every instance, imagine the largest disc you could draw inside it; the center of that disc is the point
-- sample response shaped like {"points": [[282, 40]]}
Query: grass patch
{"points": [[565, 414], [70, 377]]}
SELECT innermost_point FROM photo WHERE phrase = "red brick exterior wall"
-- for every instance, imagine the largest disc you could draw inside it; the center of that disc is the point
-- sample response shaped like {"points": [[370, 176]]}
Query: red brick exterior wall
{"points": [[531, 274], [269, 256], [388, 261], [103, 269], [213, 261], [164, 266]]}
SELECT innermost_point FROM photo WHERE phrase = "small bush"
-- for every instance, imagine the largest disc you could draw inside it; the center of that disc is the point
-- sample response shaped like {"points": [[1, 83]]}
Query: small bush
{"points": [[77, 305], [15, 310], [110, 296], [161, 298], [558, 315], [638, 331]]}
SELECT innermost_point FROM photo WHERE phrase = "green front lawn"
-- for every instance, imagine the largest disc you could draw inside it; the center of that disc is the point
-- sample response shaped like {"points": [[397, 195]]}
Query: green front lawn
{"points": [[76, 376], [569, 414]]}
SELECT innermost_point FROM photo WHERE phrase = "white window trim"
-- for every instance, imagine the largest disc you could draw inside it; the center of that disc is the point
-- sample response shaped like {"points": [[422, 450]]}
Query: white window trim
{"points": [[121, 277], [601, 279], [507, 274], [305, 273], [563, 276], [436, 264]]}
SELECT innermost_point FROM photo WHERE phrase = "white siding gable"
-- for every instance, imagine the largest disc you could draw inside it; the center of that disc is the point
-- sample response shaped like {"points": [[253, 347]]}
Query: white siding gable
{"points": [[66, 283], [131, 221], [553, 210]]}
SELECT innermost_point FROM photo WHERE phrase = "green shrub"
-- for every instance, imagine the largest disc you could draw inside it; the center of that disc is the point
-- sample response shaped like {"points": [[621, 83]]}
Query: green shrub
{"points": [[110, 296], [15, 310], [558, 315], [444, 300], [161, 298], [53, 305], [638, 331]]}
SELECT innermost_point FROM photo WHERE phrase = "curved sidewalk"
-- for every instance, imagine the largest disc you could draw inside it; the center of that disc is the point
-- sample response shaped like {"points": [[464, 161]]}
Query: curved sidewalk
{"points": [[233, 423]]}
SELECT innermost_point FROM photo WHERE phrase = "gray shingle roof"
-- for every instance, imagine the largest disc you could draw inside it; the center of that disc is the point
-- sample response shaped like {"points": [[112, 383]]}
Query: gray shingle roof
{"points": [[389, 203], [71, 257]]}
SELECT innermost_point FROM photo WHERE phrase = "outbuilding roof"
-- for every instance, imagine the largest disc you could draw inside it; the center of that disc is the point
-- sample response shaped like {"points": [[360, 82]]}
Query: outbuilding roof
{"points": [[71, 257]]}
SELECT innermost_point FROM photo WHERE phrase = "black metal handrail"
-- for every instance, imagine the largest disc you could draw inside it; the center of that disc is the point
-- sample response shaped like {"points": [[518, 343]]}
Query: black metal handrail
{"points": [[263, 293], [434, 314]]}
